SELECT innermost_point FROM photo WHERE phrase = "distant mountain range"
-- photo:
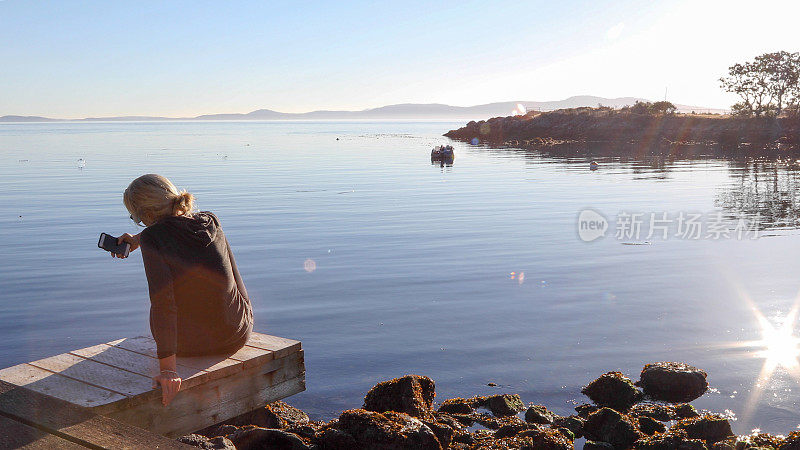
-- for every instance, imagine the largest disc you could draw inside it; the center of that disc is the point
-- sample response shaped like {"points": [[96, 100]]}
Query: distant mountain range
{"points": [[398, 112]]}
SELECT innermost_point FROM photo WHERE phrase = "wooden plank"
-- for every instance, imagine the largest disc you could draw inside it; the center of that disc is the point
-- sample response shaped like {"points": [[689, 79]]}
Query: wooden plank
{"points": [[15, 434], [252, 356], [147, 346], [74, 423], [137, 362], [55, 385], [281, 346], [198, 407], [139, 344], [96, 374], [249, 355], [214, 366], [218, 390], [175, 425], [247, 403]]}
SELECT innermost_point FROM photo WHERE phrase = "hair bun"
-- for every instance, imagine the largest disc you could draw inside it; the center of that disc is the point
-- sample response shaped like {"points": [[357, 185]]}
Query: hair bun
{"points": [[184, 202]]}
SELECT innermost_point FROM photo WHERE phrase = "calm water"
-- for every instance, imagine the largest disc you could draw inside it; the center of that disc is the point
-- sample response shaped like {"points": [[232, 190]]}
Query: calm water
{"points": [[417, 266]]}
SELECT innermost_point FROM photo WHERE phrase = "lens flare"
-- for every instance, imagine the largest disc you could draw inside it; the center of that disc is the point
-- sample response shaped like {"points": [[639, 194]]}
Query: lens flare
{"points": [[779, 347]]}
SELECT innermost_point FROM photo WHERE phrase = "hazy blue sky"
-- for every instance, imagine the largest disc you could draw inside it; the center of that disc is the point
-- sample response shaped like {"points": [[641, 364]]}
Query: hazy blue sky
{"points": [[176, 58]]}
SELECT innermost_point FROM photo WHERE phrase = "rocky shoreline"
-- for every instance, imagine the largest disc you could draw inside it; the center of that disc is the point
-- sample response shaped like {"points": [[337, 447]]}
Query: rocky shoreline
{"points": [[398, 414], [635, 132]]}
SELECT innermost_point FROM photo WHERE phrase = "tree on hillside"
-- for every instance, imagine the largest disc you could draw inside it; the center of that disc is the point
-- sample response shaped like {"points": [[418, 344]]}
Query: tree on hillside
{"points": [[648, 108], [663, 107], [766, 85]]}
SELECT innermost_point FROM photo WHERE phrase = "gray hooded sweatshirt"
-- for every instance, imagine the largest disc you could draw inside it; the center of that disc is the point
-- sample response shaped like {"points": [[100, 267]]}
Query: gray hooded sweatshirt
{"points": [[198, 302]]}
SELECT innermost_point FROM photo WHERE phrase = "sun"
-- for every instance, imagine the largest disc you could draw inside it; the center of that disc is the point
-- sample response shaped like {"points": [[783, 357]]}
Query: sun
{"points": [[778, 345]]}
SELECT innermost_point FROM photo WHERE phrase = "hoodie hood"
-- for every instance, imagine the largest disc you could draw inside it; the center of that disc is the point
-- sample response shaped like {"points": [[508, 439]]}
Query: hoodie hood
{"points": [[201, 228]]}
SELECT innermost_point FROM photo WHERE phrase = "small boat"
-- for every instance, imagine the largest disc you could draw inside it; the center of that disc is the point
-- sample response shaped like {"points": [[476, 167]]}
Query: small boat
{"points": [[442, 153]]}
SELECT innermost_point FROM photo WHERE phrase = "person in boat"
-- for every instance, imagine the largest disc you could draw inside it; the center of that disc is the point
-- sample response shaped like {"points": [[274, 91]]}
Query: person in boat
{"points": [[198, 302]]}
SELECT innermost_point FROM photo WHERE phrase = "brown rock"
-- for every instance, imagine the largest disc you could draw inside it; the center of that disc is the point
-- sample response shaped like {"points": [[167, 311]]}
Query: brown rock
{"points": [[761, 441], [547, 439], [585, 409], [571, 423], [461, 405], [447, 419], [495, 423], [333, 439], [275, 415], [672, 440], [544, 439], [613, 390], [650, 426], [464, 419], [539, 414], [511, 429], [216, 443], [685, 411], [444, 432], [308, 430], [388, 430], [710, 428], [504, 404], [411, 394], [673, 381], [653, 410], [281, 415], [218, 430], [608, 425], [256, 438], [792, 441]]}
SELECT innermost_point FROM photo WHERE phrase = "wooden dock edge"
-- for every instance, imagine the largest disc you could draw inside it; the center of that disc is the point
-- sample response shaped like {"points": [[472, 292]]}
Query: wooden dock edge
{"points": [[194, 409], [39, 421], [101, 396]]}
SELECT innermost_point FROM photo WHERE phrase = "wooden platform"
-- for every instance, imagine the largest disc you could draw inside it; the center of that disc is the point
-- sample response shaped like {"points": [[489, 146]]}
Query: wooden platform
{"points": [[31, 420], [114, 380]]}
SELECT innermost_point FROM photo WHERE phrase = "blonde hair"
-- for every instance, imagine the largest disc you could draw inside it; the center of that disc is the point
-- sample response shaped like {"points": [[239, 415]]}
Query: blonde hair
{"points": [[154, 197]]}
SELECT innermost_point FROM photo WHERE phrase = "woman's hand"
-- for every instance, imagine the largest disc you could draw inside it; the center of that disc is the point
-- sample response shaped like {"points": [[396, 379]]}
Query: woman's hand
{"points": [[170, 385], [132, 239]]}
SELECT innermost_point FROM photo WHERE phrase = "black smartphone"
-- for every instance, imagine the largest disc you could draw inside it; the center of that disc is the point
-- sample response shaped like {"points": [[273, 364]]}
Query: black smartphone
{"points": [[109, 244]]}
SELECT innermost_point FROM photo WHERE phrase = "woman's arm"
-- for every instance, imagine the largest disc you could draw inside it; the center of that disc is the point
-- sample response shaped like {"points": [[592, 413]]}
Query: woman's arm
{"points": [[163, 318], [163, 311], [168, 379]]}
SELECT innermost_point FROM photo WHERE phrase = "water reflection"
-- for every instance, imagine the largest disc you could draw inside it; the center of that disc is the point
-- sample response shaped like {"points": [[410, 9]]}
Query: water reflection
{"points": [[764, 188], [767, 188], [446, 166]]}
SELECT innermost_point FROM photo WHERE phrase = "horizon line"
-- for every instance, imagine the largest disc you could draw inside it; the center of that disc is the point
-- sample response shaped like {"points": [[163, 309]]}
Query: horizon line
{"points": [[134, 117]]}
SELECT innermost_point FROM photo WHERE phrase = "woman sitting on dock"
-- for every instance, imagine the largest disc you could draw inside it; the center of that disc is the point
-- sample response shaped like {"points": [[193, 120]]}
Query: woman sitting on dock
{"points": [[198, 302]]}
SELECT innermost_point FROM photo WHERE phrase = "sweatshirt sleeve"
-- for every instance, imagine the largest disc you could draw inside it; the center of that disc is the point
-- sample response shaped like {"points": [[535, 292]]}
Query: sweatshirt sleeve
{"points": [[163, 311], [236, 275]]}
